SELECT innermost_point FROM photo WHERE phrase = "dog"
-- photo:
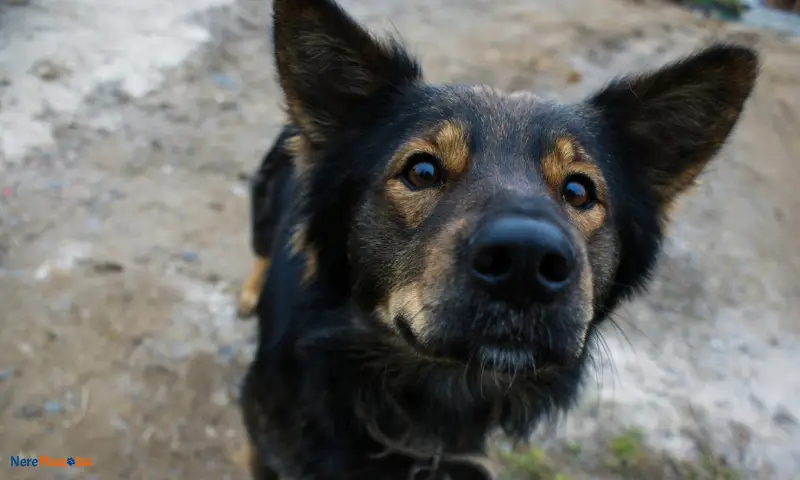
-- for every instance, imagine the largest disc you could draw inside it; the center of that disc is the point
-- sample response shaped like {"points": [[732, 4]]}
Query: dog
{"points": [[433, 261]]}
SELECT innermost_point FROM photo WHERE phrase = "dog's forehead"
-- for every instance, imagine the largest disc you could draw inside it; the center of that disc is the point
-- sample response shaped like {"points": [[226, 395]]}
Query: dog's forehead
{"points": [[513, 122]]}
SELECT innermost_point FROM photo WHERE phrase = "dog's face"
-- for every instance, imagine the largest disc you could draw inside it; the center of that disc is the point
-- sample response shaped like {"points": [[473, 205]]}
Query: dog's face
{"points": [[476, 225], [487, 228]]}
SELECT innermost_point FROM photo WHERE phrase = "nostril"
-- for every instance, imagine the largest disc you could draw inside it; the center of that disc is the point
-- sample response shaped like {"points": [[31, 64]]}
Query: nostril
{"points": [[554, 268], [494, 262]]}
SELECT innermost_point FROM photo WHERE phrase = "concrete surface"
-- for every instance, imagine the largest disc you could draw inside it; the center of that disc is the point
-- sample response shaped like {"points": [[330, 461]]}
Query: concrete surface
{"points": [[126, 127]]}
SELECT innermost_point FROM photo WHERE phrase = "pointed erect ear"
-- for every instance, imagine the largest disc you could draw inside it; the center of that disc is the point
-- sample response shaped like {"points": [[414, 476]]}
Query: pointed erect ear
{"points": [[674, 120], [331, 69]]}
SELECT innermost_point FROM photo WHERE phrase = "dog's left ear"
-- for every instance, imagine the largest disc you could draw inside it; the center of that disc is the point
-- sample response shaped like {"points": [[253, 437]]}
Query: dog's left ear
{"points": [[332, 70], [674, 120]]}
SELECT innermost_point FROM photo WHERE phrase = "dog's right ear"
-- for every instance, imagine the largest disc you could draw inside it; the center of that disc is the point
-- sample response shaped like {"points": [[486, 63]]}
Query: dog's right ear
{"points": [[331, 69]]}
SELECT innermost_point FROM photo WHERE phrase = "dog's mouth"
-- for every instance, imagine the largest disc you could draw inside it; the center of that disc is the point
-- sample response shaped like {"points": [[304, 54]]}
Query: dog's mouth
{"points": [[501, 355]]}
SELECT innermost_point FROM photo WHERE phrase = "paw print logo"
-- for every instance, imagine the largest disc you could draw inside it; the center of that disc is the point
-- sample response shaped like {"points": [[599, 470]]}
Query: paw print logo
{"points": [[71, 461]]}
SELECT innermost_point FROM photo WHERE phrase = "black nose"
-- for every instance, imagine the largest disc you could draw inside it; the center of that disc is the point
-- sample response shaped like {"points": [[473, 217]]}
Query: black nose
{"points": [[521, 259]]}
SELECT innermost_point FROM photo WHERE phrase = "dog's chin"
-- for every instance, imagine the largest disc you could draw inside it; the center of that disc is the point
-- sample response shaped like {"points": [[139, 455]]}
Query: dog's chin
{"points": [[506, 359]]}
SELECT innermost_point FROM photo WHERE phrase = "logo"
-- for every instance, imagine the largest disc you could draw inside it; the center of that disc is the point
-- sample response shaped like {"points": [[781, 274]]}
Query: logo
{"points": [[45, 461]]}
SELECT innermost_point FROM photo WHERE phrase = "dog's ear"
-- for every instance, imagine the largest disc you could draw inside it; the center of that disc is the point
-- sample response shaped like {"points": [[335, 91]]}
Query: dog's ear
{"points": [[674, 120], [331, 69]]}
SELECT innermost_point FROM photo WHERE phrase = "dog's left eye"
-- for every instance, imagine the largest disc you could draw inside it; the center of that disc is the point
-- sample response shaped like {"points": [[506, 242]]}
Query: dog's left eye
{"points": [[423, 171], [578, 191]]}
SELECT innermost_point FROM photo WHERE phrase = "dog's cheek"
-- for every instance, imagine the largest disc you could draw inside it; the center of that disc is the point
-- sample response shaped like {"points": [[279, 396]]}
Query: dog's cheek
{"points": [[441, 277], [603, 251], [406, 302], [384, 263], [411, 207], [423, 279]]}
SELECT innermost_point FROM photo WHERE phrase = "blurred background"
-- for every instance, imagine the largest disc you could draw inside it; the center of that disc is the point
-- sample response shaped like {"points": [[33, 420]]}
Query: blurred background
{"points": [[127, 133]]}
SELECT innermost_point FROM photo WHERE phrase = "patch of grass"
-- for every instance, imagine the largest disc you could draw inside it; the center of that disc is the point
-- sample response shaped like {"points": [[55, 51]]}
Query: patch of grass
{"points": [[627, 450], [623, 455], [530, 464]]}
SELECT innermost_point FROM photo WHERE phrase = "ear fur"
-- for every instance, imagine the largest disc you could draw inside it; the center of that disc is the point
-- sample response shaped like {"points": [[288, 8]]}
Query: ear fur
{"points": [[331, 69], [674, 120]]}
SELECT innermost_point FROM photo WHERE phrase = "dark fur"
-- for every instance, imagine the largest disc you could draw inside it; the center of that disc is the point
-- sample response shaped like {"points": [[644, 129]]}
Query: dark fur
{"points": [[344, 372]]}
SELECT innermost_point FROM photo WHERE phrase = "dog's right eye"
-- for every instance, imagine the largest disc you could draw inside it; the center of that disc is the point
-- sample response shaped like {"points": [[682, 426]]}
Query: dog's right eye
{"points": [[423, 171]]}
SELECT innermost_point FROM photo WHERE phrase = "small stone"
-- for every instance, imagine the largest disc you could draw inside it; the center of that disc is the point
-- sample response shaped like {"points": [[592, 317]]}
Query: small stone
{"points": [[213, 278], [239, 190], [30, 411], [6, 374], [189, 256], [53, 407], [48, 70], [783, 417], [107, 267], [55, 185], [226, 354], [220, 398], [573, 77], [228, 105], [780, 216], [223, 81]]}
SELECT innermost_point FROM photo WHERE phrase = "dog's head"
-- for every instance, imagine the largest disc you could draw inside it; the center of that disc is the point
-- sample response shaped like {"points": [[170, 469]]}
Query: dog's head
{"points": [[479, 225]]}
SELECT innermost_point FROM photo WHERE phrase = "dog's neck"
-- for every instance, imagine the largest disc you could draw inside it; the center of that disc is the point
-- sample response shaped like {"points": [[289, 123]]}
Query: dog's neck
{"points": [[421, 406]]}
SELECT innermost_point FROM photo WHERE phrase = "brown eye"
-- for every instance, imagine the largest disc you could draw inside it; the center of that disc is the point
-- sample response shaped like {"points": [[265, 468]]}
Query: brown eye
{"points": [[578, 191], [423, 171]]}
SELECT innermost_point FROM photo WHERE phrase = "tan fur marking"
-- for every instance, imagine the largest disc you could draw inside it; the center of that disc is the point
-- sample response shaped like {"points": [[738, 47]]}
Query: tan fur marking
{"points": [[568, 158], [413, 207], [555, 164], [298, 239], [408, 302], [251, 289], [449, 143], [439, 257], [310, 266], [300, 246], [299, 148]]}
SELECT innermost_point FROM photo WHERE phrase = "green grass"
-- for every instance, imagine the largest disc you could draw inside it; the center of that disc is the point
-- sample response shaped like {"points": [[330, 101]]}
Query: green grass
{"points": [[623, 455]]}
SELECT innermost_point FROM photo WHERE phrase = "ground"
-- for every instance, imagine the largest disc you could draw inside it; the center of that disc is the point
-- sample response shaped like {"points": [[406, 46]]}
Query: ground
{"points": [[127, 130]]}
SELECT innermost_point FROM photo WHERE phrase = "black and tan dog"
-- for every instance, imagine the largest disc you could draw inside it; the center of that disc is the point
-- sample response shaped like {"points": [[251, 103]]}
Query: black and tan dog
{"points": [[442, 255]]}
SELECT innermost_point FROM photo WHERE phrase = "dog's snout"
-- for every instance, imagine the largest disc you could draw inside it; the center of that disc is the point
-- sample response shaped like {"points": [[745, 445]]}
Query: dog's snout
{"points": [[520, 259]]}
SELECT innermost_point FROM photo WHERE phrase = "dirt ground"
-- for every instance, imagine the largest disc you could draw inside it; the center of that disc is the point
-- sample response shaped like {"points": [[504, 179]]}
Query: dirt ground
{"points": [[123, 243]]}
